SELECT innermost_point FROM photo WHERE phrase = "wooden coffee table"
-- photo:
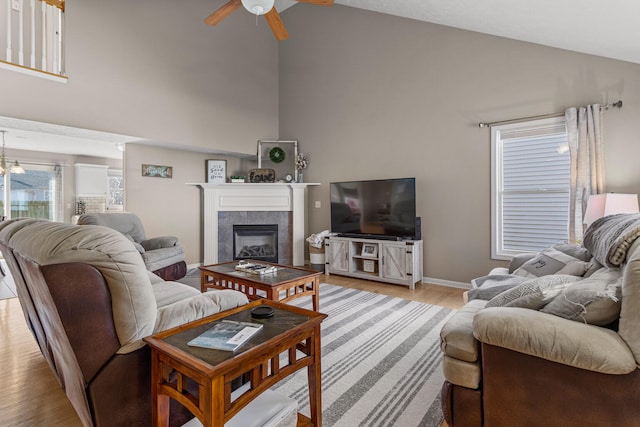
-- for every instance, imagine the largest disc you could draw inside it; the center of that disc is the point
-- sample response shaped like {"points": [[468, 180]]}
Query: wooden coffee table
{"points": [[287, 284], [293, 331]]}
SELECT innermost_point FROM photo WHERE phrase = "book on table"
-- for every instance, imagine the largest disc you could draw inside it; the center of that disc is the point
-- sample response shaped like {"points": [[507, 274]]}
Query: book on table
{"points": [[226, 335]]}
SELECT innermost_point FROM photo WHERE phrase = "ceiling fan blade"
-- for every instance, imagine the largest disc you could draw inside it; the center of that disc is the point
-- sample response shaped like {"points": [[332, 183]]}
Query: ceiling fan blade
{"points": [[273, 18], [223, 12], [320, 2]]}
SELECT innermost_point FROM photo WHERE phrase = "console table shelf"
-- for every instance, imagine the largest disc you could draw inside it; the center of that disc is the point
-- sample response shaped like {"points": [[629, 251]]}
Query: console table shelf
{"points": [[390, 261]]}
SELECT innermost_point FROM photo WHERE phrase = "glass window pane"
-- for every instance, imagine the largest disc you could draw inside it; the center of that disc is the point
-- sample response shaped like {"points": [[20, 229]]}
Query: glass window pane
{"points": [[115, 199], [32, 194]]}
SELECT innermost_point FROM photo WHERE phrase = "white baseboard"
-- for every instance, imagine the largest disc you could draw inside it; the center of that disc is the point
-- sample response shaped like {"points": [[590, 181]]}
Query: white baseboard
{"points": [[449, 283], [191, 266]]}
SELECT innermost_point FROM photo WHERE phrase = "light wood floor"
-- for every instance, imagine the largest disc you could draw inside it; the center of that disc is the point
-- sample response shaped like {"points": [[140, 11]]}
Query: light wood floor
{"points": [[31, 396]]}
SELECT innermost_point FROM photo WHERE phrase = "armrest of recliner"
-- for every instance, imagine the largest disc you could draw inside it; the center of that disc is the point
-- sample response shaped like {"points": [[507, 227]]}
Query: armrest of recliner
{"points": [[159, 242], [554, 338]]}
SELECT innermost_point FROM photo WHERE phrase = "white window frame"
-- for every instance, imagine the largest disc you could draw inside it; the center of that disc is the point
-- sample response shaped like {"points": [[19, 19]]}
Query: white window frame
{"points": [[531, 127]]}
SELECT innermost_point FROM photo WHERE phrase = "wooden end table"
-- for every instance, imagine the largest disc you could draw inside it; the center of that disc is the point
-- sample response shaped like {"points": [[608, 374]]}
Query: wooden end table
{"points": [[287, 284], [291, 329]]}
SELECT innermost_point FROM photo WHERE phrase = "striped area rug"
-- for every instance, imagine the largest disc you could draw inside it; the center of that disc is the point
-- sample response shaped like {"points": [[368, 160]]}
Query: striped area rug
{"points": [[381, 361]]}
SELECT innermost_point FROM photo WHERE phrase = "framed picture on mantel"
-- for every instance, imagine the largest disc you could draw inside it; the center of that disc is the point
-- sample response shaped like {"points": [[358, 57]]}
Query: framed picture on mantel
{"points": [[216, 171]]}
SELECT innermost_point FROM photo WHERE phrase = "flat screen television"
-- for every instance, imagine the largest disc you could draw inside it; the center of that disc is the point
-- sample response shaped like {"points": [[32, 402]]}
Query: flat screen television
{"points": [[383, 208]]}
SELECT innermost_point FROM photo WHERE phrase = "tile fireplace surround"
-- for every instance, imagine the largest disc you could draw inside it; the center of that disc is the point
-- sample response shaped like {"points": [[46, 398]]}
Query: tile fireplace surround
{"points": [[239, 197]]}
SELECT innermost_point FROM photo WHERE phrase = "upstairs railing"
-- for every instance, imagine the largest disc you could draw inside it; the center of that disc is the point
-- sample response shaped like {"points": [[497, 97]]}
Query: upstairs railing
{"points": [[33, 37]]}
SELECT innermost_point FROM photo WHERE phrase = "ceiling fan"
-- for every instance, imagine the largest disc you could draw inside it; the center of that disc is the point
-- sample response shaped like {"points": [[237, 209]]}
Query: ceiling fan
{"points": [[259, 7]]}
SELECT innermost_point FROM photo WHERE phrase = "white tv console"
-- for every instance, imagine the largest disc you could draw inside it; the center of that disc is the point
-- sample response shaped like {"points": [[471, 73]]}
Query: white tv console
{"points": [[391, 261]]}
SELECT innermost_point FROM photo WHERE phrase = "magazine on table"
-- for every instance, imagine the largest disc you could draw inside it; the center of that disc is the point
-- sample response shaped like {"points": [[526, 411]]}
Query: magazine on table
{"points": [[259, 269], [226, 335]]}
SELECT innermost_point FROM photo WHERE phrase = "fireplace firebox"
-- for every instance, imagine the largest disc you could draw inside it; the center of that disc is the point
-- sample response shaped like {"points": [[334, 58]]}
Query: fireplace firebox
{"points": [[256, 241]]}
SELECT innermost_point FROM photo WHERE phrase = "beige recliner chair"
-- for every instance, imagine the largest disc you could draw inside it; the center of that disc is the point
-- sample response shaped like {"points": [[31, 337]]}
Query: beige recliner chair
{"points": [[161, 255]]}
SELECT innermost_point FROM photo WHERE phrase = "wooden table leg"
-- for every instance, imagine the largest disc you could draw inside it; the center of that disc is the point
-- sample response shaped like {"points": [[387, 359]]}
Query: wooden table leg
{"points": [[316, 294], [203, 281], [159, 402], [215, 416], [314, 374]]}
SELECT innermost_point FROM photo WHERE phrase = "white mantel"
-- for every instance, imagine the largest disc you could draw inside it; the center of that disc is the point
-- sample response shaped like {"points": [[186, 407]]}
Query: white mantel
{"points": [[254, 197]]}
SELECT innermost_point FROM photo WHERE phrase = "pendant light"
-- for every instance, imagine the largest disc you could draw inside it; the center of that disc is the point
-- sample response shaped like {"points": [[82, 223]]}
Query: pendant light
{"points": [[15, 167]]}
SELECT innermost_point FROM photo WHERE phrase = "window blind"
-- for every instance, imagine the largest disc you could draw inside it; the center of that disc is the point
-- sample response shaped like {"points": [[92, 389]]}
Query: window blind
{"points": [[533, 187]]}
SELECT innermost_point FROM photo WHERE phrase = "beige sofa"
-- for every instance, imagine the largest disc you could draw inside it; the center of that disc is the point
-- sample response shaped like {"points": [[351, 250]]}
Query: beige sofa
{"points": [[567, 357], [89, 301]]}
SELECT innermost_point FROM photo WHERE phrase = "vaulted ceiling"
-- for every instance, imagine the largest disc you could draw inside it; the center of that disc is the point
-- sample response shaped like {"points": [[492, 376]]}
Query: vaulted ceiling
{"points": [[604, 28]]}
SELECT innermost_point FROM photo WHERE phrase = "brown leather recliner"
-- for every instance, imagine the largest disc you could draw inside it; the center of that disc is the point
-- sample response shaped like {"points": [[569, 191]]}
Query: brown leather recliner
{"points": [[89, 301], [513, 366]]}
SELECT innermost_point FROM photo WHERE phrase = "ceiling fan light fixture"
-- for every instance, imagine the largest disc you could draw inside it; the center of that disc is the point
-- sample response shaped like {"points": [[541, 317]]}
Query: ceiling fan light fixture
{"points": [[258, 7]]}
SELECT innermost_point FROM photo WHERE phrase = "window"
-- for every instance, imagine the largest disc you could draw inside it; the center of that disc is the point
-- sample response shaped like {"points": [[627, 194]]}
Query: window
{"points": [[33, 194], [530, 186], [115, 198]]}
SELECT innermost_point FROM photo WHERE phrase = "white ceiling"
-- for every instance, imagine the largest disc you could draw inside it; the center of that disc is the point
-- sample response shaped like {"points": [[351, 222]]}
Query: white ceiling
{"points": [[604, 28]]}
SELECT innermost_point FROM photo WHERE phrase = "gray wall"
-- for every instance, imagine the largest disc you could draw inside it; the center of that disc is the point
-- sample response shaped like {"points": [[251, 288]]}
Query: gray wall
{"points": [[170, 206], [153, 69], [374, 96]]}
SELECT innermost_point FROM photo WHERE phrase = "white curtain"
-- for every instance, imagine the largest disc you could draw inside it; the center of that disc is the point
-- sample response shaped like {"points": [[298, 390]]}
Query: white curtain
{"points": [[584, 131]]}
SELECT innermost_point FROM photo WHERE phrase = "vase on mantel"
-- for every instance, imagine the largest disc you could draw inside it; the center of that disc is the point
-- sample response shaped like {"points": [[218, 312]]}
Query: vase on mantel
{"points": [[300, 177]]}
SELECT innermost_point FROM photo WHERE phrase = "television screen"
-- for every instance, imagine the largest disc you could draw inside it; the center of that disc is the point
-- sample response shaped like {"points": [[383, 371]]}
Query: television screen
{"points": [[385, 207]]}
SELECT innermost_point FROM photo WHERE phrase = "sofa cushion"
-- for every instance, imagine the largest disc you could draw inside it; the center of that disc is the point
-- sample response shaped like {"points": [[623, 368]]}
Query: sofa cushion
{"points": [[552, 261], [595, 300], [167, 293], [459, 372], [126, 223], [197, 307], [534, 293], [456, 335]]}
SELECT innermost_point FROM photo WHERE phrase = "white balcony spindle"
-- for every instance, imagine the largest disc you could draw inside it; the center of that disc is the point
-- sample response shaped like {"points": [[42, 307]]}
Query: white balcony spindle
{"points": [[60, 55], [32, 12], [21, 32], [9, 55], [55, 39], [43, 66]]}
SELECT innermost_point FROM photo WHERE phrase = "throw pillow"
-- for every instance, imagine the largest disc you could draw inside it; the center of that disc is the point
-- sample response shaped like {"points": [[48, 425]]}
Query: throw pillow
{"points": [[552, 261], [575, 251], [534, 293], [595, 300]]}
